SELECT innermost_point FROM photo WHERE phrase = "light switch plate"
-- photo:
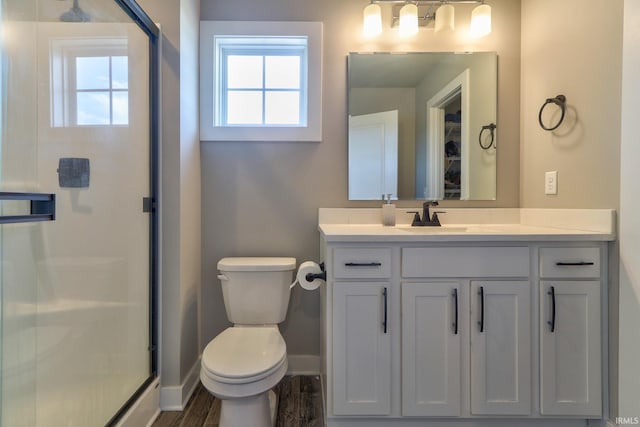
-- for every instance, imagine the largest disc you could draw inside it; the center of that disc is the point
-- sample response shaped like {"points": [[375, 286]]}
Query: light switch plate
{"points": [[551, 182]]}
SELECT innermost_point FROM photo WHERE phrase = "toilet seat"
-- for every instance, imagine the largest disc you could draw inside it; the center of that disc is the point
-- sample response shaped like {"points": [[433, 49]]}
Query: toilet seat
{"points": [[241, 355]]}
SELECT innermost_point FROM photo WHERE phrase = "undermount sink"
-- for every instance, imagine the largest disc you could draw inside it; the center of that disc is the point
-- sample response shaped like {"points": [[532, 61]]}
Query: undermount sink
{"points": [[433, 230]]}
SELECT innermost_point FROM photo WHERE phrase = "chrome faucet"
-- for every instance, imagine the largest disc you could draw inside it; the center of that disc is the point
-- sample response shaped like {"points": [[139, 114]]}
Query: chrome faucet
{"points": [[427, 220]]}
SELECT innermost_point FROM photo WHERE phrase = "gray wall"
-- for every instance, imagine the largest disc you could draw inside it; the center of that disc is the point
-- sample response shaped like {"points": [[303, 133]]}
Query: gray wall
{"points": [[180, 188], [262, 198], [628, 355], [571, 48]]}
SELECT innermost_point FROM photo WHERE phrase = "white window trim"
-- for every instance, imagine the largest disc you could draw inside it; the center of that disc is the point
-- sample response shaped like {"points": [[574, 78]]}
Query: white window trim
{"points": [[209, 132]]}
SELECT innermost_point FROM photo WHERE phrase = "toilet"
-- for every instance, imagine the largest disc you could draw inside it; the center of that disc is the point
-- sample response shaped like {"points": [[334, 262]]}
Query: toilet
{"points": [[243, 363]]}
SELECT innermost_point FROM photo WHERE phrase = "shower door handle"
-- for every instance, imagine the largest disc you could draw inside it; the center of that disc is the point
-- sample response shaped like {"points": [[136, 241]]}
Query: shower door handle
{"points": [[42, 207]]}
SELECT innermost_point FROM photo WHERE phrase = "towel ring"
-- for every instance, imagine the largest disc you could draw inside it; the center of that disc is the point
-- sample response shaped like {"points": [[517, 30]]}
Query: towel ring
{"points": [[491, 128], [560, 101]]}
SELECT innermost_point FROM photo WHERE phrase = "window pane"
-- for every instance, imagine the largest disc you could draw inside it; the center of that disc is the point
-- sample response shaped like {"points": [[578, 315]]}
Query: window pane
{"points": [[120, 72], [93, 108], [244, 71], [120, 108], [282, 72], [244, 108], [92, 72], [282, 108]]}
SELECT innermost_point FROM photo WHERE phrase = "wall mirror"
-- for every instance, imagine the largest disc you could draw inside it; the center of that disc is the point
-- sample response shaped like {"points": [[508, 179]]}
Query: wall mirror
{"points": [[422, 125]]}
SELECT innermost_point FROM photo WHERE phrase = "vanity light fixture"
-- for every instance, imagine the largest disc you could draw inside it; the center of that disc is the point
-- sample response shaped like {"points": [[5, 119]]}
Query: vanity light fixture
{"points": [[408, 20], [372, 25], [445, 18], [480, 21], [421, 12]]}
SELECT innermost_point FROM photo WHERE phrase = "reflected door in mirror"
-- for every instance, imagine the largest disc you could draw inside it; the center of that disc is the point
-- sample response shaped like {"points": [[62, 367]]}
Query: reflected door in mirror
{"points": [[373, 156]]}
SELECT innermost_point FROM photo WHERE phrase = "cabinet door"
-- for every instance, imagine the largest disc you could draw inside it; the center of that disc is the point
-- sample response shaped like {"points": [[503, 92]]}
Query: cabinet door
{"points": [[500, 346], [570, 348], [361, 349], [431, 323]]}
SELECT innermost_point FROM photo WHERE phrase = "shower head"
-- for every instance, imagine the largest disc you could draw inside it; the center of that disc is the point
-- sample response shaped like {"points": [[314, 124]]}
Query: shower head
{"points": [[75, 14]]}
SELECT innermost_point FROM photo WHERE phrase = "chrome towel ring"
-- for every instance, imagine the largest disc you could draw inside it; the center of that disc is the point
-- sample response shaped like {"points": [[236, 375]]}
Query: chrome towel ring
{"points": [[560, 101], [491, 128]]}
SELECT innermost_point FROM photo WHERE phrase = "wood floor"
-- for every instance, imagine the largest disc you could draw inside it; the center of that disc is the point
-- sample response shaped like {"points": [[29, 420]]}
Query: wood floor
{"points": [[299, 405]]}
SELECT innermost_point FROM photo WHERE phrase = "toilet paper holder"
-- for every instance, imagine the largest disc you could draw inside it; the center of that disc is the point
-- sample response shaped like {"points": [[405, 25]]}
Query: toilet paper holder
{"points": [[310, 277]]}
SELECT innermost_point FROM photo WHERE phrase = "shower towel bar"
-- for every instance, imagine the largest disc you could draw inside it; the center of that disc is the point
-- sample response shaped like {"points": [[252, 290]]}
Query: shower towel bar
{"points": [[43, 207]]}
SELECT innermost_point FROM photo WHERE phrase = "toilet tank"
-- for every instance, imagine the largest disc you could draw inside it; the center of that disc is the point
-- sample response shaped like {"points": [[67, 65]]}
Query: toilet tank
{"points": [[256, 289]]}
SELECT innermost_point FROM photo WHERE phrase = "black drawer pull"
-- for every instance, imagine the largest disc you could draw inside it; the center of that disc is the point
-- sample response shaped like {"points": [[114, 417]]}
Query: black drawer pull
{"points": [[481, 322], [552, 322], [384, 320], [574, 264], [362, 264], [455, 302]]}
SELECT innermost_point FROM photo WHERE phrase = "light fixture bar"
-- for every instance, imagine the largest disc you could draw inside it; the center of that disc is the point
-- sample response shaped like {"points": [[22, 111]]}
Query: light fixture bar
{"points": [[423, 18], [407, 17], [429, 15], [427, 2]]}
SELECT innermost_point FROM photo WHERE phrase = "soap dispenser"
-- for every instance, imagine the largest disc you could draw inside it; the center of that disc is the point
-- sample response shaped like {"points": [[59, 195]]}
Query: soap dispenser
{"points": [[388, 212]]}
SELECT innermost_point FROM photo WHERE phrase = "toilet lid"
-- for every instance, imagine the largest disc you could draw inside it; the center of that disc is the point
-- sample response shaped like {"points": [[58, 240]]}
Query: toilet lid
{"points": [[257, 264], [244, 352]]}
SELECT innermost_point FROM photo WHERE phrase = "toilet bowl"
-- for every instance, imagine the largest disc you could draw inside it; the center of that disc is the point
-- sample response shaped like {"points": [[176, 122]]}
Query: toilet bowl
{"points": [[243, 363]]}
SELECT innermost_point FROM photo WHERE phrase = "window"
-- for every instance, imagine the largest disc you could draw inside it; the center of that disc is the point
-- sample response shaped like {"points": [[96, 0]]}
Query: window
{"points": [[260, 81], [101, 94], [89, 82]]}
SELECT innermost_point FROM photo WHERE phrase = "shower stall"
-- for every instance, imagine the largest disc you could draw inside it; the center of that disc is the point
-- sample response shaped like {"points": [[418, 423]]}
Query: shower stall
{"points": [[78, 227]]}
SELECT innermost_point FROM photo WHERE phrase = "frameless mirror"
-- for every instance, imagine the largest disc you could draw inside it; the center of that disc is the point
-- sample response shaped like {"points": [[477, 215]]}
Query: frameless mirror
{"points": [[422, 125]]}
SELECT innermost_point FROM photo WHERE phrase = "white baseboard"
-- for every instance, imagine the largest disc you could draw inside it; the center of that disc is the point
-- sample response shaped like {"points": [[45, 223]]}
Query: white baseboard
{"points": [[145, 410], [175, 398], [303, 364]]}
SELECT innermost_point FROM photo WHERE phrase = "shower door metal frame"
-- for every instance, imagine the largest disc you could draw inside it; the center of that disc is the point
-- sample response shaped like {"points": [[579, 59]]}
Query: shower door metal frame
{"points": [[140, 17]]}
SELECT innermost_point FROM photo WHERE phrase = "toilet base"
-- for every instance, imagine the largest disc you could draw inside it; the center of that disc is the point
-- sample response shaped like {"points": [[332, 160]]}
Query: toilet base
{"points": [[255, 411]]}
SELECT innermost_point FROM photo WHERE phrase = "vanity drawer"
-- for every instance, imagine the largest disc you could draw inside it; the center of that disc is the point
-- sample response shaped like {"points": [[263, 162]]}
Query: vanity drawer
{"points": [[465, 262], [365, 263], [569, 262]]}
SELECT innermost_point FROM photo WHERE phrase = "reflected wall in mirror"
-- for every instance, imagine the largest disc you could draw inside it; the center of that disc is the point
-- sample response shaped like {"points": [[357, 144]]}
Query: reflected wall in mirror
{"points": [[416, 125]]}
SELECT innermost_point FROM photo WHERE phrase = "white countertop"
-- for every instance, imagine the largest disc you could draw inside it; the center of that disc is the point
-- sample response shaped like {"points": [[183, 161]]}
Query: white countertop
{"points": [[490, 225]]}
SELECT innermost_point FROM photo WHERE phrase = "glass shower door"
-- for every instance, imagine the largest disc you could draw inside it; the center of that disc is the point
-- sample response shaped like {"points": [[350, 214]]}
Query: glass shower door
{"points": [[76, 262]]}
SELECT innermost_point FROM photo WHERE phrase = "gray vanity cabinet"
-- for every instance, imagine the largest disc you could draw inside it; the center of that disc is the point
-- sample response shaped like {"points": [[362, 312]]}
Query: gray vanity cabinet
{"points": [[449, 325], [570, 332], [362, 350], [453, 318], [433, 322], [500, 348], [361, 334], [414, 333]]}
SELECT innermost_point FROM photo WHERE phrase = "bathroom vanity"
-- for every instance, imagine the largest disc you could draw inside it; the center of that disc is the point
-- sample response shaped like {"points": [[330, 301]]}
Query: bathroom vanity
{"points": [[497, 317]]}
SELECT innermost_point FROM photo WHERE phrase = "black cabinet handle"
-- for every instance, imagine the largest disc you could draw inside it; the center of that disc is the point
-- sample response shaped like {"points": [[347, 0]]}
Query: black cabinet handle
{"points": [[43, 207], [384, 318], [574, 264], [362, 264], [455, 305], [481, 322], [552, 322]]}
